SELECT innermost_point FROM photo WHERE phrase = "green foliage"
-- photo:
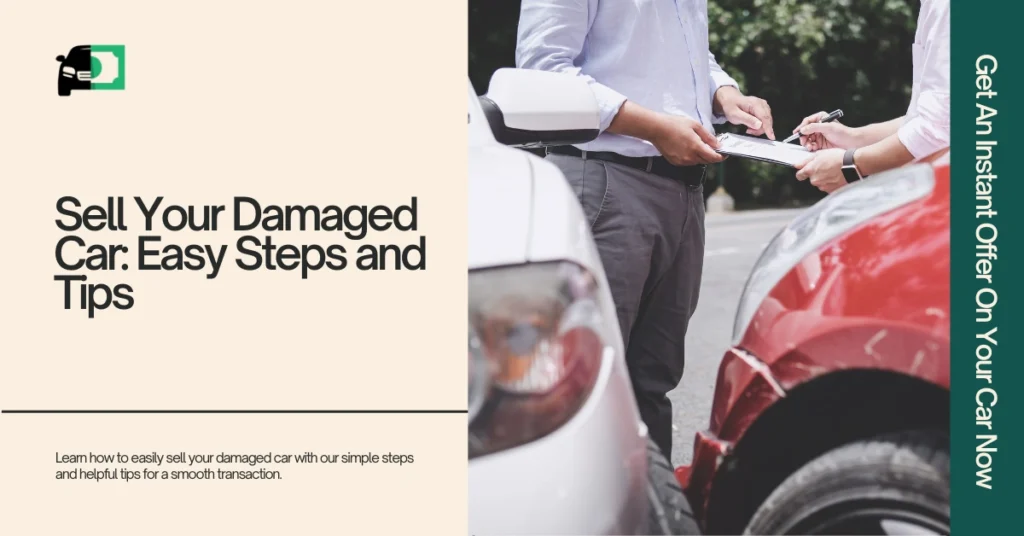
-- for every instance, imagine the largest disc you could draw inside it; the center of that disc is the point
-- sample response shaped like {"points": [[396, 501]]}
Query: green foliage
{"points": [[802, 56], [805, 56], [492, 39]]}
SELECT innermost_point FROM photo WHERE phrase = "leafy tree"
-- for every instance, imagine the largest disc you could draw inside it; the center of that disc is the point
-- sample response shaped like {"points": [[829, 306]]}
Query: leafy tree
{"points": [[492, 38], [802, 56]]}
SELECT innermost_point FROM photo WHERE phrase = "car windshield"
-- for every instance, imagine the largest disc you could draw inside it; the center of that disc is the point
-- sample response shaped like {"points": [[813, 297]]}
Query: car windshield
{"points": [[79, 54]]}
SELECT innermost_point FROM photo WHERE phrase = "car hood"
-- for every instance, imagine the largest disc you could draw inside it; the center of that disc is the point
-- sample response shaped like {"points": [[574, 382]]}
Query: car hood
{"points": [[521, 209], [500, 211]]}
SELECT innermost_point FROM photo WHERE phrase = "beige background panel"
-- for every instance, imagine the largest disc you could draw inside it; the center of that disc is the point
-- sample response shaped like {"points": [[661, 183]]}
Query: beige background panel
{"points": [[288, 102], [426, 497]]}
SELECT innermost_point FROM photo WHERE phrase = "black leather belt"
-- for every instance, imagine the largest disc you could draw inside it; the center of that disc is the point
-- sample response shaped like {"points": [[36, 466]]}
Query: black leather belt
{"points": [[692, 176]]}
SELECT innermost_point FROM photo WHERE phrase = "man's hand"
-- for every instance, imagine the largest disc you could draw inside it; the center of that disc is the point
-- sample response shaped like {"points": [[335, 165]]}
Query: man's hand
{"points": [[685, 142], [740, 109], [681, 140], [824, 169], [815, 135]]}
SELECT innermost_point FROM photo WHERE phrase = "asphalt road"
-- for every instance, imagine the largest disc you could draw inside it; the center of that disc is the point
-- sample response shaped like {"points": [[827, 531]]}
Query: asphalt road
{"points": [[733, 243]]}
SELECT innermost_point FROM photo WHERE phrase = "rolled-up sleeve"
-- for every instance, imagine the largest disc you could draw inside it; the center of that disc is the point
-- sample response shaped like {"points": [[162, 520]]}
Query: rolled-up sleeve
{"points": [[927, 131], [719, 79], [551, 36]]}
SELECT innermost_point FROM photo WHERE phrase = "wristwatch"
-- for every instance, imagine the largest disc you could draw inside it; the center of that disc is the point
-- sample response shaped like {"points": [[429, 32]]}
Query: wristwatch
{"points": [[850, 171]]}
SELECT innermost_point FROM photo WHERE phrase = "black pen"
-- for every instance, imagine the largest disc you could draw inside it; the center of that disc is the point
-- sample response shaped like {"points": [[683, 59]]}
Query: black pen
{"points": [[827, 119]]}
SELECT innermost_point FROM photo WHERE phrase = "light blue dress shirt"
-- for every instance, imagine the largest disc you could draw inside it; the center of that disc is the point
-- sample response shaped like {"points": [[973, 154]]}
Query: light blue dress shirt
{"points": [[651, 52]]}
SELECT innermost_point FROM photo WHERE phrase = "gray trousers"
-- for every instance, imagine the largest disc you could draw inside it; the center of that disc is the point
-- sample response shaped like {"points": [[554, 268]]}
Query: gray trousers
{"points": [[650, 236]]}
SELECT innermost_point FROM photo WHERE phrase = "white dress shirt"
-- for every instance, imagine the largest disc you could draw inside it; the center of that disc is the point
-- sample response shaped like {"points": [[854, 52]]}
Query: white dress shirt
{"points": [[652, 52], [926, 127]]}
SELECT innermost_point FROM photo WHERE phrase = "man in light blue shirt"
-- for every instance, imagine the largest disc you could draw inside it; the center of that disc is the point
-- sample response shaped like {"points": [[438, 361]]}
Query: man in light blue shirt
{"points": [[660, 92]]}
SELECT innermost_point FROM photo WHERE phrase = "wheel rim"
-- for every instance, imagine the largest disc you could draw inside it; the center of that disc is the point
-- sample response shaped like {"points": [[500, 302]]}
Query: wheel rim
{"points": [[873, 517]]}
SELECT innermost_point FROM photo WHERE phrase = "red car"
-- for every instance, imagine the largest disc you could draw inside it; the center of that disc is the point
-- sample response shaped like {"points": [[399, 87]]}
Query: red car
{"points": [[831, 410]]}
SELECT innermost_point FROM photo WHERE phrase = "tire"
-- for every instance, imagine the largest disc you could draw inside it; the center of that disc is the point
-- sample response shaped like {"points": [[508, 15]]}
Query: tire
{"points": [[669, 511], [892, 480]]}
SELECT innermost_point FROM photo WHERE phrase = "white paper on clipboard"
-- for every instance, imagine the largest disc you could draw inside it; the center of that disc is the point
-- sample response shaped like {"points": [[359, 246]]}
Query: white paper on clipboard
{"points": [[776, 152]]}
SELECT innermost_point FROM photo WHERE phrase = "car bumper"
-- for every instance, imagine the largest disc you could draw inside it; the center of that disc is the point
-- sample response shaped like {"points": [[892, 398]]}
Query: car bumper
{"points": [[708, 453], [744, 389], [589, 477], [73, 83]]}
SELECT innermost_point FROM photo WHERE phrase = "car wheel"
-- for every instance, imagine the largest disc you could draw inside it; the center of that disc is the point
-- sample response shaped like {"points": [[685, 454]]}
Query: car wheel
{"points": [[892, 484], [63, 90], [669, 512]]}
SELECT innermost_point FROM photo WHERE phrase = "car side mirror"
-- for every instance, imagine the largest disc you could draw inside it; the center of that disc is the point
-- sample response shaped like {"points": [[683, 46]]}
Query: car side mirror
{"points": [[60, 58], [530, 108]]}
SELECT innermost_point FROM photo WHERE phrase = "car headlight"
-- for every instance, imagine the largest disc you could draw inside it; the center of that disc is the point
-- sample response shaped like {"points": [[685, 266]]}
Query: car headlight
{"points": [[829, 218], [69, 70], [536, 342]]}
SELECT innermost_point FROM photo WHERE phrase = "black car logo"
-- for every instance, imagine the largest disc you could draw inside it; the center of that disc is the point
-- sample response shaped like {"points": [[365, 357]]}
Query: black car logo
{"points": [[91, 67]]}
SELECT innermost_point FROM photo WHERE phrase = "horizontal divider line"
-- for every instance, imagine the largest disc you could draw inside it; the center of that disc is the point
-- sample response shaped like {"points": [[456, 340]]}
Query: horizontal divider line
{"points": [[343, 411]]}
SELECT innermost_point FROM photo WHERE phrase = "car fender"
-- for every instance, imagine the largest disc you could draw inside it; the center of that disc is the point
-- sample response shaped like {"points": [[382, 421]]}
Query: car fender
{"points": [[874, 298]]}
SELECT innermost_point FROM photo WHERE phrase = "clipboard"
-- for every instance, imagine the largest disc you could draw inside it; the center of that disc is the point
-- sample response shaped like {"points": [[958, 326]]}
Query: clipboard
{"points": [[775, 152]]}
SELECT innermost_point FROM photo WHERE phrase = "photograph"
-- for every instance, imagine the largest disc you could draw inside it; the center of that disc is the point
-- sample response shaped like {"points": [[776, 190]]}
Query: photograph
{"points": [[709, 267]]}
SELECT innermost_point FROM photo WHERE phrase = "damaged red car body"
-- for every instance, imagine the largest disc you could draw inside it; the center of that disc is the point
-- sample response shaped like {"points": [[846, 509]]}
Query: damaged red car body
{"points": [[852, 342]]}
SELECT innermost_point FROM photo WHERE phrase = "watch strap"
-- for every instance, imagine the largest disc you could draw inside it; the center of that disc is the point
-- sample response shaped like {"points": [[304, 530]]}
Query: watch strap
{"points": [[848, 157], [850, 171]]}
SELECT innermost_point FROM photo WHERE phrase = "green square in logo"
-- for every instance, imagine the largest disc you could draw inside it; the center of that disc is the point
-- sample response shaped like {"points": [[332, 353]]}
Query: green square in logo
{"points": [[107, 67]]}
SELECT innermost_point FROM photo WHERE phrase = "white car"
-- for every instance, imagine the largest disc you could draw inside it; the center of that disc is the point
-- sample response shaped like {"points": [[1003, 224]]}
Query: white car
{"points": [[556, 443]]}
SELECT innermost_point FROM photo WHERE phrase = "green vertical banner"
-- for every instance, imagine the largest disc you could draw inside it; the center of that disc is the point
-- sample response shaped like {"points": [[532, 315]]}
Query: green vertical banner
{"points": [[987, 244]]}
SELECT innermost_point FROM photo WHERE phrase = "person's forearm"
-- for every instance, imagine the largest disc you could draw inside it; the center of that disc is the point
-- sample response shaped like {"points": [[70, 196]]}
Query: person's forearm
{"points": [[876, 132], [636, 121], [886, 154]]}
